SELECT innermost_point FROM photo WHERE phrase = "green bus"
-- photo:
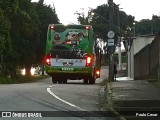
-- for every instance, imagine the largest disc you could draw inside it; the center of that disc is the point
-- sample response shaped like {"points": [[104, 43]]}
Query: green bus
{"points": [[72, 53]]}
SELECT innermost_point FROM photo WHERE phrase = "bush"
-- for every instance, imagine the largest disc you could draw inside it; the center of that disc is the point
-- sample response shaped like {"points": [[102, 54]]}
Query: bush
{"points": [[21, 79]]}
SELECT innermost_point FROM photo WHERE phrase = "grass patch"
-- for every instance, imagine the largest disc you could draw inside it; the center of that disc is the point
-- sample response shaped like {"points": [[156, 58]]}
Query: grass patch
{"points": [[105, 99], [105, 102], [22, 79], [108, 103]]}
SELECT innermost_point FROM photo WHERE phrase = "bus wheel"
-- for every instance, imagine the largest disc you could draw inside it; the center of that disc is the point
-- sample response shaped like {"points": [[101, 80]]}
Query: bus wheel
{"points": [[92, 80], [54, 80], [85, 80], [65, 81], [59, 81]]}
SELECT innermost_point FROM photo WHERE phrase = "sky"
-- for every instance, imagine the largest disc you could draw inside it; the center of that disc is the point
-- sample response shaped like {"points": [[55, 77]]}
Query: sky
{"points": [[140, 9]]}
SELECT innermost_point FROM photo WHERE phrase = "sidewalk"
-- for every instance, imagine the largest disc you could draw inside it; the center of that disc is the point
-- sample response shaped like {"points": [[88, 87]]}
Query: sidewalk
{"points": [[134, 99]]}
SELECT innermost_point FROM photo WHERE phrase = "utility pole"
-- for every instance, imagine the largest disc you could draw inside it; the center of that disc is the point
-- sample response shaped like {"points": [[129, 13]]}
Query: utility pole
{"points": [[119, 54], [111, 41]]}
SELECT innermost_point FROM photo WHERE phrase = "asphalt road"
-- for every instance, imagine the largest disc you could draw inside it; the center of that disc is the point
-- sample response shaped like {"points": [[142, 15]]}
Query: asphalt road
{"points": [[52, 101]]}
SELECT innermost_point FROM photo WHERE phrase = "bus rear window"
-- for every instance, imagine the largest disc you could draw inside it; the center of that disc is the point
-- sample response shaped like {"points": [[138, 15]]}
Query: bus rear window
{"points": [[70, 36]]}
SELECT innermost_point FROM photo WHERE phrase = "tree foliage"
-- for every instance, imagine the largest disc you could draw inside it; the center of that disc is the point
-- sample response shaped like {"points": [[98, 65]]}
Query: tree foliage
{"points": [[23, 33], [147, 26], [100, 20]]}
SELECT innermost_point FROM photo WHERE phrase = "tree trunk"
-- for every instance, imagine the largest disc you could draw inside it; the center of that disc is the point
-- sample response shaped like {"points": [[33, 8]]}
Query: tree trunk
{"points": [[43, 69], [28, 68]]}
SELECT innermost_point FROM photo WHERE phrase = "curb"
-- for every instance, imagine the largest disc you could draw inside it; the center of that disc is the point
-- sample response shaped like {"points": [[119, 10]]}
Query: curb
{"points": [[110, 102]]}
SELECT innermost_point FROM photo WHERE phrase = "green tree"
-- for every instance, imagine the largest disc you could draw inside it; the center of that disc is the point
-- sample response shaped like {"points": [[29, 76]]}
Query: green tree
{"points": [[100, 20], [147, 26], [143, 27], [23, 33], [7, 9], [46, 15], [155, 24]]}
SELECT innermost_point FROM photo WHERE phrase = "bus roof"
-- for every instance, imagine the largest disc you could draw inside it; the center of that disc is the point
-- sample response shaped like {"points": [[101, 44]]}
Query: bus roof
{"points": [[72, 26]]}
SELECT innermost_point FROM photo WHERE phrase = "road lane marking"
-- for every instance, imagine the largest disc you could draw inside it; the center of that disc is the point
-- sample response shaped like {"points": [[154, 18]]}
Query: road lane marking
{"points": [[68, 103]]}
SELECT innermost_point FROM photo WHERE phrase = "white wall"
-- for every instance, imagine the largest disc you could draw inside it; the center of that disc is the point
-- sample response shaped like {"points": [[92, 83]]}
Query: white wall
{"points": [[141, 41]]}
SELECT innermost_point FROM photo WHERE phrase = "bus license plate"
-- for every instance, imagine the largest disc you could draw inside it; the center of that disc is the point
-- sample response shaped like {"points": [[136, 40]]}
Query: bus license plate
{"points": [[67, 69]]}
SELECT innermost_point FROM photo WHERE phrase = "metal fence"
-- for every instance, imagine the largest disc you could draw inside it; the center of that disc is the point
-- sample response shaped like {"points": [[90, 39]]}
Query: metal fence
{"points": [[146, 61]]}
